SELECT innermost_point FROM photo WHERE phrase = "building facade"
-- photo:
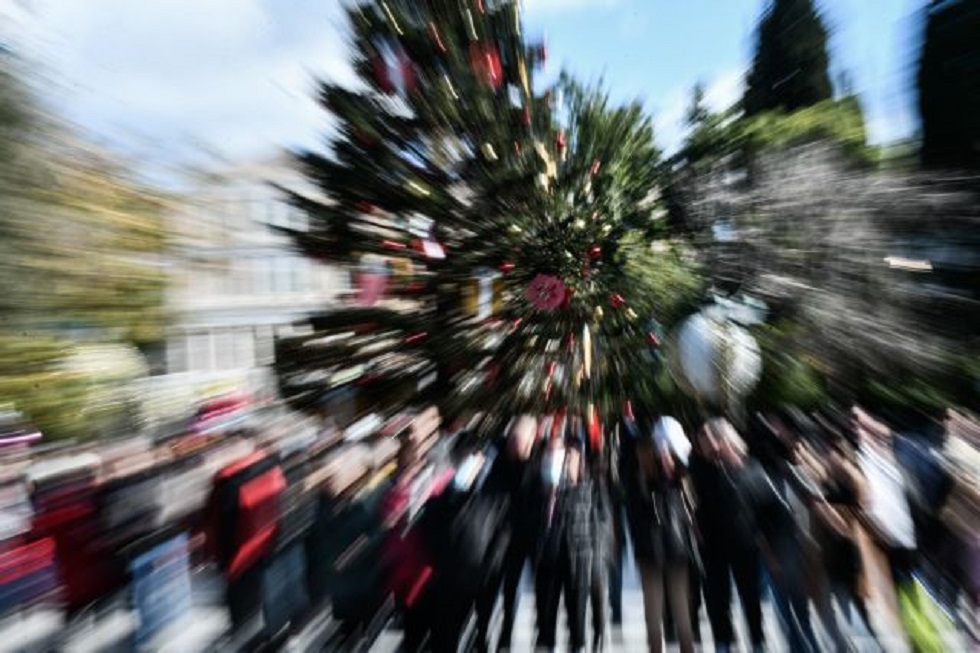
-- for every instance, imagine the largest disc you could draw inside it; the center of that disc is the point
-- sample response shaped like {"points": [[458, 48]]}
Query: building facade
{"points": [[236, 281]]}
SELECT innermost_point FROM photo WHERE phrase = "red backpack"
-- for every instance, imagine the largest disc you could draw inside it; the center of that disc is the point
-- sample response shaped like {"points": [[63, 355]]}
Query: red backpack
{"points": [[244, 513]]}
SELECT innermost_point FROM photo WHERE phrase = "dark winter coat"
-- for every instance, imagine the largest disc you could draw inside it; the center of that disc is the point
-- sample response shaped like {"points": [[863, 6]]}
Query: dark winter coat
{"points": [[660, 521], [732, 503], [569, 529], [514, 482]]}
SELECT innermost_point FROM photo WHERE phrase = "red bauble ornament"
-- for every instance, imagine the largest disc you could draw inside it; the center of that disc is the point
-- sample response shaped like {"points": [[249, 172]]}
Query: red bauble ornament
{"points": [[485, 62], [617, 300], [595, 251], [652, 339], [561, 141], [507, 266], [546, 292]]}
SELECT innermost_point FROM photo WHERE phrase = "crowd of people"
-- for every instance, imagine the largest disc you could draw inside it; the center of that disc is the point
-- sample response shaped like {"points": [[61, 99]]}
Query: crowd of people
{"points": [[810, 511]]}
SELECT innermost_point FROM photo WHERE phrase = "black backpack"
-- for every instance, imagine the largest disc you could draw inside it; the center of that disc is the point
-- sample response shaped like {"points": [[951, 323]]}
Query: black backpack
{"points": [[464, 531]]}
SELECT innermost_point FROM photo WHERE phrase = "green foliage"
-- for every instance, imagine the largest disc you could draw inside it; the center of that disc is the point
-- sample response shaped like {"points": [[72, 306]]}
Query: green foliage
{"points": [[562, 183], [789, 377], [790, 67], [43, 378], [838, 121], [78, 239]]}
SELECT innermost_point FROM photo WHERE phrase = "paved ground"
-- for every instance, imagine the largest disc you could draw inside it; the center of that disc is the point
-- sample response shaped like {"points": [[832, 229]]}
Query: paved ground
{"points": [[631, 638]]}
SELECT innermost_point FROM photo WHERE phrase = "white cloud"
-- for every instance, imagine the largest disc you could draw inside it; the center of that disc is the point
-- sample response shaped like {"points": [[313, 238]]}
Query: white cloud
{"points": [[669, 117], [236, 75], [893, 124], [725, 89]]}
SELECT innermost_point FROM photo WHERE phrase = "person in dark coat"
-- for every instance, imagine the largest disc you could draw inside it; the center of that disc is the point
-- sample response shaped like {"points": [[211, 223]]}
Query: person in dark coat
{"points": [[786, 527], [563, 552], [662, 530], [619, 455], [731, 489], [512, 476], [604, 558]]}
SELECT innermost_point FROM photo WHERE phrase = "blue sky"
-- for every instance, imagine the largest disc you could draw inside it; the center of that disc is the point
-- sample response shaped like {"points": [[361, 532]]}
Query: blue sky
{"points": [[165, 79]]}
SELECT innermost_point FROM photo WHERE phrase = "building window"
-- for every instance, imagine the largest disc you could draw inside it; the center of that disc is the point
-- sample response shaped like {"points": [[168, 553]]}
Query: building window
{"points": [[281, 274], [265, 352], [245, 348], [301, 272], [199, 352], [177, 354], [277, 214], [262, 271], [224, 349], [298, 219]]}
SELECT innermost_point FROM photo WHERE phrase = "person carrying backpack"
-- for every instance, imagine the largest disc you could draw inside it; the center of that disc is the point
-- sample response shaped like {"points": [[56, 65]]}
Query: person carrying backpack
{"points": [[461, 528], [511, 478]]}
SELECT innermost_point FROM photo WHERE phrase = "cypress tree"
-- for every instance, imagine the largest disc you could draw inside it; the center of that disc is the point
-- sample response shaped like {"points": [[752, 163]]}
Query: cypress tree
{"points": [[790, 68], [949, 85]]}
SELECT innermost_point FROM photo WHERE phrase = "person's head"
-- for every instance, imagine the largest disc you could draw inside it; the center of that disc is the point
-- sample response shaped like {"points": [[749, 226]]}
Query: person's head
{"points": [[409, 453], [785, 430], [719, 442], [520, 439], [867, 429], [574, 461], [839, 454]]}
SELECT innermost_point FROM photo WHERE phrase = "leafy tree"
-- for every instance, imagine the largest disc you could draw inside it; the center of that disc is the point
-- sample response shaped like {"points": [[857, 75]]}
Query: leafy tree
{"points": [[790, 67], [454, 164], [78, 239], [834, 249], [949, 85]]}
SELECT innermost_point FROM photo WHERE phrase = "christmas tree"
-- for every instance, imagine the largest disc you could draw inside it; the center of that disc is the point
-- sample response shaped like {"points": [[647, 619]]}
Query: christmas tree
{"points": [[500, 232]]}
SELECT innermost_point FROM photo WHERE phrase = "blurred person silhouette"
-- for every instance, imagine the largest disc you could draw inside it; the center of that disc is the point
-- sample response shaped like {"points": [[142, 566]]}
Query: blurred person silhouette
{"points": [[786, 526], [512, 477], [621, 456], [661, 526], [918, 450], [837, 529], [731, 489], [461, 525], [407, 555], [886, 513], [601, 478], [563, 551], [960, 514]]}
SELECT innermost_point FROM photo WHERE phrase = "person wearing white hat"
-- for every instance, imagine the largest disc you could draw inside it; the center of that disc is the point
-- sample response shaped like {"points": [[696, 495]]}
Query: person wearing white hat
{"points": [[659, 512]]}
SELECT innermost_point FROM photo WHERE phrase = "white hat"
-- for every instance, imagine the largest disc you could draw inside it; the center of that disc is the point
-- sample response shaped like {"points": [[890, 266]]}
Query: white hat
{"points": [[667, 432]]}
